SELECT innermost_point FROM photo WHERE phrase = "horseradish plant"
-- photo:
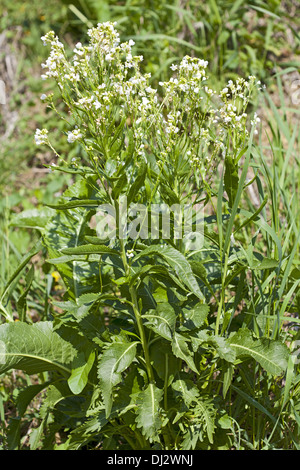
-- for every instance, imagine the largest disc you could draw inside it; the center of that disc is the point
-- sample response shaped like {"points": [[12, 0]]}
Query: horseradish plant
{"points": [[159, 334]]}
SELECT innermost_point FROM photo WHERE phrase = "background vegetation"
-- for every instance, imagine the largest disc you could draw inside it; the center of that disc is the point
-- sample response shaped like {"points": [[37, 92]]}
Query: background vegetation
{"points": [[237, 38]]}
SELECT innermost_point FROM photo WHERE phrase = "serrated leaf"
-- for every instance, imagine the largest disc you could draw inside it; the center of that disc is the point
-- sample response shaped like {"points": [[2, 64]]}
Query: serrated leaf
{"points": [[186, 390], [115, 359], [162, 320], [181, 350], [68, 230], [33, 348], [222, 346], [272, 355], [202, 424], [196, 316], [178, 262], [33, 218], [266, 263], [147, 411]]}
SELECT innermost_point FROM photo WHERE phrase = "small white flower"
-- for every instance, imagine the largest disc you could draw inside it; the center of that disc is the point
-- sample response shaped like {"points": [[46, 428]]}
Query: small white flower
{"points": [[41, 136], [74, 135], [130, 253], [97, 104], [43, 97]]}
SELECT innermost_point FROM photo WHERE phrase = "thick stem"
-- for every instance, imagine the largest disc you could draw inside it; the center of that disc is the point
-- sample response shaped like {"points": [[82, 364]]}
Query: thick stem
{"points": [[138, 316], [142, 333]]}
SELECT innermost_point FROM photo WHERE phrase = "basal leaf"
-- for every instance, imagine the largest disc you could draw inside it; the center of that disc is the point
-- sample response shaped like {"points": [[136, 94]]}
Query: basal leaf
{"points": [[33, 348]]}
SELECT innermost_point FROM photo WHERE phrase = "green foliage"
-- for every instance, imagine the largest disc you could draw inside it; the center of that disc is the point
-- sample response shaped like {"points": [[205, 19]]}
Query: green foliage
{"points": [[147, 344], [153, 344]]}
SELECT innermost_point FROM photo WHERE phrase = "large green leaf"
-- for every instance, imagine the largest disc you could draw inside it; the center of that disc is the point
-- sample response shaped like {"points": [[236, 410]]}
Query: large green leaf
{"points": [[33, 348], [66, 231], [162, 320], [272, 355], [177, 261], [147, 411], [115, 359], [33, 218]]}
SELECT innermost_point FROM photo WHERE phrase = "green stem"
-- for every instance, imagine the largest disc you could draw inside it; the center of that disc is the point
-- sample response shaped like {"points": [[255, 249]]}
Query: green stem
{"points": [[138, 316], [142, 333], [222, 300]]}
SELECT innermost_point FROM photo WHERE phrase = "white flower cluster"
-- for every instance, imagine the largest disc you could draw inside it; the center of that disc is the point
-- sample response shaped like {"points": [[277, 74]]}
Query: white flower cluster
{"points": [[41, 136], [74, 135], [191, 74], [56, 58], [235, 97], [103, 83]]}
